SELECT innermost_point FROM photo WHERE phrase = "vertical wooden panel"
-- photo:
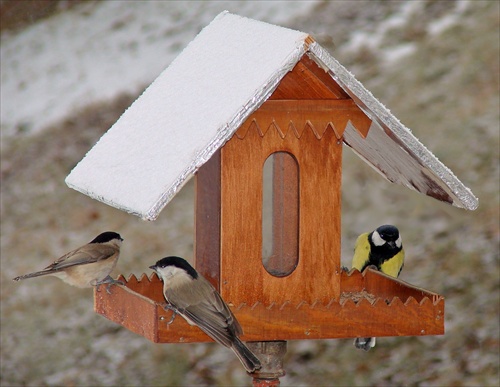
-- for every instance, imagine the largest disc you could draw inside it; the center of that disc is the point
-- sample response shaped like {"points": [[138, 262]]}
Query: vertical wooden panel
{"points": [[243, 277], [241, 217], [207, 220]]}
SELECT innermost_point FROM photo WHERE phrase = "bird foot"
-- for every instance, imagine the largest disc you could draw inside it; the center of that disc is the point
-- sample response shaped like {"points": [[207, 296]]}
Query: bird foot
{"points": [[109, 281], [365, 343], [167, 307]]}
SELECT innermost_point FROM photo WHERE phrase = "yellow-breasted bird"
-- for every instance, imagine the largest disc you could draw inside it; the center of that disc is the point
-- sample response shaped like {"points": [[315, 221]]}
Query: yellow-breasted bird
{"points": [[382, 248]]}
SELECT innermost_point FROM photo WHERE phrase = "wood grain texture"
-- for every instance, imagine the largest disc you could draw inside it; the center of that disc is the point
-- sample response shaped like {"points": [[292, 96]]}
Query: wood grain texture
{"points": [[243, 277], [207, 220], [308, 81], [399, 310], [305, 117], [134, 306], [318, 115]]}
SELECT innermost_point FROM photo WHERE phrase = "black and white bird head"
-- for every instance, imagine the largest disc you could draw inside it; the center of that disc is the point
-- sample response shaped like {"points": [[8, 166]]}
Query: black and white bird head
{"points": [[174, 270], [388, 236]]}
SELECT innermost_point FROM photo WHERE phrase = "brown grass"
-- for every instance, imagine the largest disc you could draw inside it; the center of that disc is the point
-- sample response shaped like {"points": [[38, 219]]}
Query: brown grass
{"points": [[447, 92]]}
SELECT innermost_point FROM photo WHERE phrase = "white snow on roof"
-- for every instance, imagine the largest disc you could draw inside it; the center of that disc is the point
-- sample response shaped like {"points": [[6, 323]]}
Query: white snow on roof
{"points": [[201, 99], [187, 113], [99, 50]]}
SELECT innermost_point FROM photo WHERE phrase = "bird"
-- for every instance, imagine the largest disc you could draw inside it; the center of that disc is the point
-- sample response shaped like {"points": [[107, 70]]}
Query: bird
{"points": [[383, 249], [189, 294], [88, 265]]}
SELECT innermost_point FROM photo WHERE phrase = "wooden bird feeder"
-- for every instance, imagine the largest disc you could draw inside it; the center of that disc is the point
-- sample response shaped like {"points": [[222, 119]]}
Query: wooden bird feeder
{"points": [[269, 113]]}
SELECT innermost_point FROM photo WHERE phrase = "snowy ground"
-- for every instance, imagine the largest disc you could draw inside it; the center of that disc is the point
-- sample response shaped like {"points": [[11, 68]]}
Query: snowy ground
{"points": [[100, 50], [66, 79]]}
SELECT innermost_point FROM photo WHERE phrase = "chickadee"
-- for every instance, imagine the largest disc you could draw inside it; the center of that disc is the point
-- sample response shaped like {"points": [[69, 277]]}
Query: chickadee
{"points": [[89, 265], [383, 249], [195, 299]]}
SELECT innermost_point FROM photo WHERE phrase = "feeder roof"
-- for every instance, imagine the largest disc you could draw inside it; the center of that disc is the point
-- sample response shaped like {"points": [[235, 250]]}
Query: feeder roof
{"points": [[207, 92]]}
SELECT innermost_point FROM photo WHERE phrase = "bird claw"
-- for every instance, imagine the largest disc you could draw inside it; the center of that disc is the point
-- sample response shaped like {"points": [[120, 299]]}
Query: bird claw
{"points": [[109, 281], [167, 307], [365, 343]]}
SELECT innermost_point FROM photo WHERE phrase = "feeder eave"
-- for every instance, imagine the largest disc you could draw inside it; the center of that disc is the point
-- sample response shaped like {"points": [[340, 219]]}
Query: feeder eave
{"points": [[391, 143]]}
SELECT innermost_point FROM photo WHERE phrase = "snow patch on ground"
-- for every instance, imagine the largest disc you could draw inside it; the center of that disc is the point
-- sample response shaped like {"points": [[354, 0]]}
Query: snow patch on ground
{"points": [[374, 40], [97, 51], [450, 19]]}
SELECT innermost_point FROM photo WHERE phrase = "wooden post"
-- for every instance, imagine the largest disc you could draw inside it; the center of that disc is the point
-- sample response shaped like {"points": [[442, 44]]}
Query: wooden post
{"points": [[270, 354]]}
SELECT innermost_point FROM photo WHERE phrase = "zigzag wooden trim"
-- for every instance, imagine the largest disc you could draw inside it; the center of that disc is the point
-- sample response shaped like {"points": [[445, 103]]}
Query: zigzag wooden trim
{"points": [[319, 115], [377, 302], [138, 307], [132, 278], [359, 297], [291, 129]]}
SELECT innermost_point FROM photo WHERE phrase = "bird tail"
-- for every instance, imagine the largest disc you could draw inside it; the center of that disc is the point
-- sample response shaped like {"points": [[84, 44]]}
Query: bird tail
{"points": [[247, 358], [32, 275], [365, 343]]}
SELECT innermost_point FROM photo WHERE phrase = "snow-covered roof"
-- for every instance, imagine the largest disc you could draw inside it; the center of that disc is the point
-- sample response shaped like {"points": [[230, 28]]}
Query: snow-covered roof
{"points": [[207, 92]]}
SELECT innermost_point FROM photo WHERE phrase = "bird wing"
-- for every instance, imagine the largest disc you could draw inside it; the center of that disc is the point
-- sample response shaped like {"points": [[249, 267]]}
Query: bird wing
{"points": [[83, 255], [204, 306], [394, 265], [361, 252]]}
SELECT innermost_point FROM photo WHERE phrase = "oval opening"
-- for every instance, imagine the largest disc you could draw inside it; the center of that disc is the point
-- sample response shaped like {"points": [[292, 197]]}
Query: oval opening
{"points": [[280, 214]]}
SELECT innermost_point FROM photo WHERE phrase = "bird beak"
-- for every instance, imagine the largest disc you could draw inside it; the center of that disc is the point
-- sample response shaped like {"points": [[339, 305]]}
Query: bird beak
{"points": [[153, 267], [392, 244]]}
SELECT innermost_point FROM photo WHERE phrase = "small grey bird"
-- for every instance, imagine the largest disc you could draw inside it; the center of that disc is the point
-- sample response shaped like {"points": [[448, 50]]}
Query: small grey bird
{"points": [[88, 265], [195, 299]]}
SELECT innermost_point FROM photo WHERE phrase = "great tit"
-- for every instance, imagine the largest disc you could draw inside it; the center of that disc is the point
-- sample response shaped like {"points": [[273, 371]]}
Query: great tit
{"points": [[88, 265], [383, 249], [194, 298]]}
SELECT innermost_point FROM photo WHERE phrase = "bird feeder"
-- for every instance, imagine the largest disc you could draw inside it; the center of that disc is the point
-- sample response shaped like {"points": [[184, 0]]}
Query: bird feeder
{"points": [[259, 114]]}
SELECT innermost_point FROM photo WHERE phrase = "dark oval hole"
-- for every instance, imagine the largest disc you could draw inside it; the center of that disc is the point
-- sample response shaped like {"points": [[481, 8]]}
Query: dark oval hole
{"points": [[280, 214]]}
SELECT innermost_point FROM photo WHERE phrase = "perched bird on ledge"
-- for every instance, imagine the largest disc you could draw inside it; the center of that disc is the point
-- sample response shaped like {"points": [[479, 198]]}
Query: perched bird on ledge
{"points": [[88, 265], [382, 248], [194, 298]]}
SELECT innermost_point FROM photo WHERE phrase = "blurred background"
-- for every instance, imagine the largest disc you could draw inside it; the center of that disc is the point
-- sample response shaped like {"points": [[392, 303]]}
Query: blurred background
{"points": [[70, 68]]}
